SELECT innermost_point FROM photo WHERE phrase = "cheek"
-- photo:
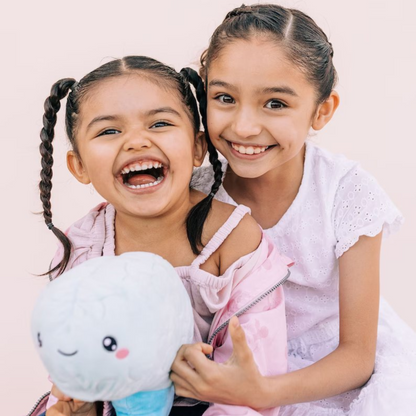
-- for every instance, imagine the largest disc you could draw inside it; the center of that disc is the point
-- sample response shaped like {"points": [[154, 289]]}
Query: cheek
{"points": [[94, 155], [216, 121], [122, 353], [289, 130]]}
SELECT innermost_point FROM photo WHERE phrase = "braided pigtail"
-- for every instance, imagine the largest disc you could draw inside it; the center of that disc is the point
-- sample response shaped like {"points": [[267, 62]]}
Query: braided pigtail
{"points": [[199, 213], [52, 105]]}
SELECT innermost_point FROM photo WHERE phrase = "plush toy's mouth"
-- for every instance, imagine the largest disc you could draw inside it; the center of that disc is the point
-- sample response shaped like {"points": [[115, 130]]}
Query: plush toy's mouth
{"points": [[67, 354], [143, 174]]}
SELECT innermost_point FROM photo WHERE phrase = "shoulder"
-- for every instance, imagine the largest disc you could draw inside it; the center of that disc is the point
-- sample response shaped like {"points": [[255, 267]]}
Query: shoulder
{"points": [[324, 165], [92, 222], [244, 238], [90, 235], [324, 173]]}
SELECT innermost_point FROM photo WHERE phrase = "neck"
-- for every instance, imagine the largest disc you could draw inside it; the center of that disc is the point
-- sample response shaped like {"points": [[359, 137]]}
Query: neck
{"points": [[269, 196], [163, 235]]}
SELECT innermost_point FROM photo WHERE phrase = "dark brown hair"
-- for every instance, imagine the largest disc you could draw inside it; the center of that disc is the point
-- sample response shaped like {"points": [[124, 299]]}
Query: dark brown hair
{"points": [[77, 91], [304, 42]]}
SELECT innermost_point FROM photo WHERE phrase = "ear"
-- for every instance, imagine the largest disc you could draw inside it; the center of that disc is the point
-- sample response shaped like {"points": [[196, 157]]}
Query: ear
{"points": [[325, 111], [200, 149], [76, 167]]}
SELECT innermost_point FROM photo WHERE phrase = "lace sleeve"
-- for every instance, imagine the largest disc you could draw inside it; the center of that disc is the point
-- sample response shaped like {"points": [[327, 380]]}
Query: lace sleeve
{"points": [[361, 207]]}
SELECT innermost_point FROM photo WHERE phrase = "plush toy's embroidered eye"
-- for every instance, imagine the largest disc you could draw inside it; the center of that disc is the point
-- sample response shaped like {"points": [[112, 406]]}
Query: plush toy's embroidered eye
{"points": [[39, 340], [110, 344]]}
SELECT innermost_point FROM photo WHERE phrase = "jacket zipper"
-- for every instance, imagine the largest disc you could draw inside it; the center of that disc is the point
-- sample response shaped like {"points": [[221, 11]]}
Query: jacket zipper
{"points": [[37, 403], [247, 307]]}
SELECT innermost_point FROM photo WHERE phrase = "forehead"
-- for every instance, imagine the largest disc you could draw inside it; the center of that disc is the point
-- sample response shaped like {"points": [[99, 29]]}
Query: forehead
{"points": [[255, 63], [130, 93]]}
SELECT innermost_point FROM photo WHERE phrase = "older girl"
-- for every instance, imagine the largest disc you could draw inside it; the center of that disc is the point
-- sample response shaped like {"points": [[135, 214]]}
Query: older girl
{"points": [[269, 80]]}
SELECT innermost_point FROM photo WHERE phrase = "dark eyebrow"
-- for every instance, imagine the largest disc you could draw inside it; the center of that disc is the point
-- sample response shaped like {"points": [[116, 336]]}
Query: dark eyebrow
{"points": [[169, 110], [279, 90], [218, 83], [100, 118], [153, 112], [268, 90]]}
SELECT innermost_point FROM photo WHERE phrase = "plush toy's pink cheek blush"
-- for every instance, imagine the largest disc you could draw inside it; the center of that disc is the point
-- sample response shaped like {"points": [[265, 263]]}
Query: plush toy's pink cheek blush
{"points": [[123, 353]]}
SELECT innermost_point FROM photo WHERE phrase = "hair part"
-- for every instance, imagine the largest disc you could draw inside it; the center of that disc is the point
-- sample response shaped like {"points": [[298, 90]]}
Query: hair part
{"points": [[304, 42], [77, 93]]}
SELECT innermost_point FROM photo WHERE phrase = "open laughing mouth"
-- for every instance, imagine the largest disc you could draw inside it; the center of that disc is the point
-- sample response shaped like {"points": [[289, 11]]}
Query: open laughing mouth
{"points": [[143, 174], [250, 150]]}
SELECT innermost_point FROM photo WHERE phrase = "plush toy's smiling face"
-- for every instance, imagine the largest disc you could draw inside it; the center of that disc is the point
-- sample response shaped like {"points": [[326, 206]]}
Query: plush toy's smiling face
{"points": [[112, 326]]}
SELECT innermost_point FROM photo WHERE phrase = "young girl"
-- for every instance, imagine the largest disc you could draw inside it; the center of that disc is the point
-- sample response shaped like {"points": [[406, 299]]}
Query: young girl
{"points": [[269, 79], [134, 129]]}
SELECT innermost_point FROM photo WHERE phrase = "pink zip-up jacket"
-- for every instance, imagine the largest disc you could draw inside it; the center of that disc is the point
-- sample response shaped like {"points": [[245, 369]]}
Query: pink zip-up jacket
{"points": [[250, 288]]}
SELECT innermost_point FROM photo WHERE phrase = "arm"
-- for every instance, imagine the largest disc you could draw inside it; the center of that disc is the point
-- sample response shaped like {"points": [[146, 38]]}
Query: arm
{"points": [[354, 358]]}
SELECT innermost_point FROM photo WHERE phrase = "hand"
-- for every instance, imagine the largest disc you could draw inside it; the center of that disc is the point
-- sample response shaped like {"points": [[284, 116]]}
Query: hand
{"points": [[72, 407], [197, 377], [66, 406]]}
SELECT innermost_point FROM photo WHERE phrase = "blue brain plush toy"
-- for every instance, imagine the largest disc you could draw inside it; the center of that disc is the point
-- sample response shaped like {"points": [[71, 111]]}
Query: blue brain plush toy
{"points": [[109, 330]]}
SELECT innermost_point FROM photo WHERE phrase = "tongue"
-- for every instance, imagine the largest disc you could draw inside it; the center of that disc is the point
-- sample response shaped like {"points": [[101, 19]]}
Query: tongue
{"points": [[141, 179]]}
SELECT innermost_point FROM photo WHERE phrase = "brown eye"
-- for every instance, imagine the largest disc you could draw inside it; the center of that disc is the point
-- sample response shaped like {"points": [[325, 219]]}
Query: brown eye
{"points": [[110, 344], [109, 131], [225, 99], [275, 105]]}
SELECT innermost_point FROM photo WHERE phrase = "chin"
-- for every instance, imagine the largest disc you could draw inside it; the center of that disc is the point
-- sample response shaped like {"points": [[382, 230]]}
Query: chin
{"points": [[248, 173]]}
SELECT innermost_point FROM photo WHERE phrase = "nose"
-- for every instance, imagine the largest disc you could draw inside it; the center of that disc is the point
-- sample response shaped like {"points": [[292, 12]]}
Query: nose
{"points": [[137, 140], [246, 123]]}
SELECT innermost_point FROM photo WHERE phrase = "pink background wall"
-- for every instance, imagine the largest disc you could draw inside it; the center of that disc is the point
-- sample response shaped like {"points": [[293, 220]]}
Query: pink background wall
{"points": [[43, 41]]}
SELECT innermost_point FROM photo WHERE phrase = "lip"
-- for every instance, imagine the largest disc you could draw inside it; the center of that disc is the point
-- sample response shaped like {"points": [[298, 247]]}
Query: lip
{"points": [[254, 156], [142, 159]]}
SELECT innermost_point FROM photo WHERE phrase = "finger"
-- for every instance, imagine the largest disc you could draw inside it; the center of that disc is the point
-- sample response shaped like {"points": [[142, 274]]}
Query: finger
{"points": [[193, 359], [183, 392], [182, 387], [198, 346], [182, 372], [241, 350]]}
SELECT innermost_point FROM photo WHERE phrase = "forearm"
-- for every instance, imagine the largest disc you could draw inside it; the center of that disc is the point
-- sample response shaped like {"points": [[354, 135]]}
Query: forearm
{"points": [[347, 368]]}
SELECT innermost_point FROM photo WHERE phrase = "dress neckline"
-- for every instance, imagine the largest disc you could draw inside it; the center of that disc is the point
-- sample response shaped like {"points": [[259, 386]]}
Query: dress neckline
{"points": [[309, 147]]}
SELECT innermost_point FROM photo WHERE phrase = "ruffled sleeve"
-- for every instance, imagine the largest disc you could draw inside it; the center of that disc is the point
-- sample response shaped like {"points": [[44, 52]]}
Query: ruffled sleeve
{"points": [[361, 207]]}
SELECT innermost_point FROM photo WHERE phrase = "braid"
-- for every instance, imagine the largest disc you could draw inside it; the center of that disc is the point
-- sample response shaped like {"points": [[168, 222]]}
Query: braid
{"points": [[199, 213], [52, 105]]}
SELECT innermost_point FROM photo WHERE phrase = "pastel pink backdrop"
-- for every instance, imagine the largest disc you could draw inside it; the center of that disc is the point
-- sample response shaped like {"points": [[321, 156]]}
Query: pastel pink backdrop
{"points": [[44, 41]]}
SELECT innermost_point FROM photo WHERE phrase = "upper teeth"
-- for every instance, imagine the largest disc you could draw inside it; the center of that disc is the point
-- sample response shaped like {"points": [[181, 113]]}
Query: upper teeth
{"points": [[248, 150], [141, 166]]}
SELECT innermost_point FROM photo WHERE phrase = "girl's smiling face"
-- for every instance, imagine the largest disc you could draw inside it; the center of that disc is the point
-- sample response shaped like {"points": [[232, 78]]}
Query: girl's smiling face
{"points": [[136, 145], [260, 107]]}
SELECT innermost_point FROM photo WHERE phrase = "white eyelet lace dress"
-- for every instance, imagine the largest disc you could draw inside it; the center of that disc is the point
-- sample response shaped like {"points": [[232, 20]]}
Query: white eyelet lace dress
{"points": [[336, 204]]}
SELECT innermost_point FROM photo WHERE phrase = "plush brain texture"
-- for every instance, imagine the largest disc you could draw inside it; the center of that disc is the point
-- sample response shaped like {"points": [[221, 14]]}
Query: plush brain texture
{"points": [[111, 326]]}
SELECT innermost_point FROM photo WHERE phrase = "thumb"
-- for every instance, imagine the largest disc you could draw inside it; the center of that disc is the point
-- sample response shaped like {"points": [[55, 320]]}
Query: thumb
{"points": [[241, 350]]}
